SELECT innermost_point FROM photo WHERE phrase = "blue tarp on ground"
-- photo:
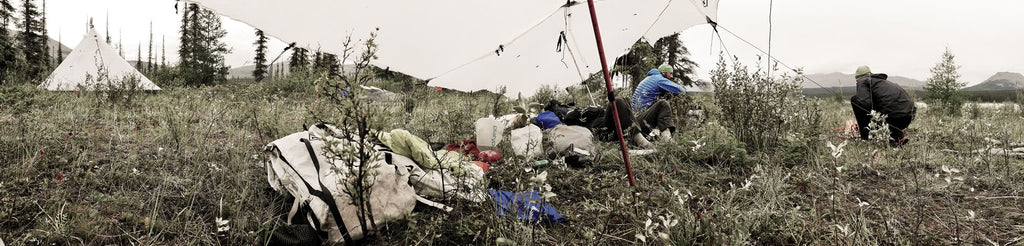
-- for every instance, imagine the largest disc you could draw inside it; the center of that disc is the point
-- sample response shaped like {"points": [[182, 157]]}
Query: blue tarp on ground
{"points": [[526, 205]]}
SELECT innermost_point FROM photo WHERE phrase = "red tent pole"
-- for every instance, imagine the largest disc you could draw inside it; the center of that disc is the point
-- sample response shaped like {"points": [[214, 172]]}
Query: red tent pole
{"points": [[611, 92]]}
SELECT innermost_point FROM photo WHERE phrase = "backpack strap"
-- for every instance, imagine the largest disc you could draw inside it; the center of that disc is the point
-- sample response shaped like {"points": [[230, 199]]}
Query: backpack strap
{"points": [[298, 209], [325, 194]]}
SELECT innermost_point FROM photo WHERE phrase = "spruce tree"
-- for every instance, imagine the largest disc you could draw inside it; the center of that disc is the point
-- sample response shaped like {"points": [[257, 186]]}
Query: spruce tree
{"points": [[202, 52], [33, 43], [324, 62], [671, 51], [261, 56], [8, 50], [163, 52], [299, 60], [151, 66], [942, 89], [120, 44], [635, 63], [60, 49], [44, 39], [107, 28], [138, 61], [185, 46], [643, 56]]}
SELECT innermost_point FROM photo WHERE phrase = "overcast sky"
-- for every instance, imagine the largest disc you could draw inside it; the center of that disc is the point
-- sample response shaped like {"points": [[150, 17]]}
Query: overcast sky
{"points": [[903, 38]]}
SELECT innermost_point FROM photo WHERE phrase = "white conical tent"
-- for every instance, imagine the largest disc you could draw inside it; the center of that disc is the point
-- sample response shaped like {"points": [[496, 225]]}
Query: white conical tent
{"points": [[93, 65]]}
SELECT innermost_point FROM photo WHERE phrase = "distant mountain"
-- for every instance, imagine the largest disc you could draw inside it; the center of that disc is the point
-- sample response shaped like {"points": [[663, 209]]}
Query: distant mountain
{"points": [[829, 80], [245, 72], [1000, 81], [51, 44]]}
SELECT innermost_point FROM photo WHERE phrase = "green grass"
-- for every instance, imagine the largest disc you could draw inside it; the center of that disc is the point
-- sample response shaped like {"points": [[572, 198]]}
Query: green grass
{"points": [[80, 169]]}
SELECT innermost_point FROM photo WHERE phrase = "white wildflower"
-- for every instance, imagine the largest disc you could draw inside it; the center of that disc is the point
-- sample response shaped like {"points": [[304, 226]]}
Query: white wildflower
{"points": [[696, 145], [540, 178], [949, 170], [836, 150], [845, 229], [862, 203], [215, 167], [222, 225]]}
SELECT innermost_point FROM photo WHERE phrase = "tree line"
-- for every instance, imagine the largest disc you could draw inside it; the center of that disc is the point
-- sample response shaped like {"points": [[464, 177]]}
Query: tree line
{"points": [[26, 57], [24, 54]]}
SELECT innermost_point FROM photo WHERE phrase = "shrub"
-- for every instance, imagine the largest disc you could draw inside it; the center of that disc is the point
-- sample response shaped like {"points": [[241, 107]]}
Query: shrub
{"points": [[119, 91], [17, 99], [762, 111], [297, 82], [713, 145]]}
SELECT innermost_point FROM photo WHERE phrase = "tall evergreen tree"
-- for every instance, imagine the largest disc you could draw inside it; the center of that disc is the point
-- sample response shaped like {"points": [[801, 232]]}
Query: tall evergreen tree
{"points": [[202, 52], [60, 49], [671, 51], [324, 62], [138, 61], [8, 49], [151, 66], [107, 29], [299, 60], [33, 42], [44, 38], [942, 89], [261, 56], [185, 46], [120, 44], [635, 63], [643, 56], [163, 52]]}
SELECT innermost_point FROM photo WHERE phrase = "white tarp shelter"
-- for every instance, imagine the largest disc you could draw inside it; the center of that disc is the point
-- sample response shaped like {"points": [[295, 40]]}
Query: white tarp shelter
{"points": [[474, 45], [94, 65]]}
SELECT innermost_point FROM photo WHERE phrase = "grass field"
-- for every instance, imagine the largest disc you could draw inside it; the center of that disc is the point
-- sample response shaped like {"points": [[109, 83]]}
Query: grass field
{"points": [[83, 168]]}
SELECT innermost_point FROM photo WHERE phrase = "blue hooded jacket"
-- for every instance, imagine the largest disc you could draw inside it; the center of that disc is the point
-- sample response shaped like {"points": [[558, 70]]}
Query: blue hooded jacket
{"points": [[653, 86]]}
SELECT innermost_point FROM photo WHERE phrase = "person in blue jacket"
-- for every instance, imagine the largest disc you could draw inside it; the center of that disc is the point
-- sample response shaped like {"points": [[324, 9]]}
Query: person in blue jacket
{"points": [[656, 114]]}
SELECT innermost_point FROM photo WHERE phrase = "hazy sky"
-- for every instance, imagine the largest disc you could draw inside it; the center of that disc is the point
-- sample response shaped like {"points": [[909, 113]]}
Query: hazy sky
{"points": [[903, 38]]}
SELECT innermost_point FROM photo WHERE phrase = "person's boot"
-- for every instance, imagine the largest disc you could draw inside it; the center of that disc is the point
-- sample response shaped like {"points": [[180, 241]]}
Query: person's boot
{"points": [[666, 135], [899, 143], [641, 141]]}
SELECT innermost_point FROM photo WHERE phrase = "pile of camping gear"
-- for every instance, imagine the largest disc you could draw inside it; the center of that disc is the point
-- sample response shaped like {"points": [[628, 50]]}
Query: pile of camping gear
{"points": [[316, 168]]}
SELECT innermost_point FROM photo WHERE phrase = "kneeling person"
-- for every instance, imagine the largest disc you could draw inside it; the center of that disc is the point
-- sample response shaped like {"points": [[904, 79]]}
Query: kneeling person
{"points": [[876, 93]]}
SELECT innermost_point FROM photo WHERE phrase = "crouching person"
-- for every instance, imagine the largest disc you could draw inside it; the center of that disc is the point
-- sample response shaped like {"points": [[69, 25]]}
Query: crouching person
{"points": [[876, 93]]}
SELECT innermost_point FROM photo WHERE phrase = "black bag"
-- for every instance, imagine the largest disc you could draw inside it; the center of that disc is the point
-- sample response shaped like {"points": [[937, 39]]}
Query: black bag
{"points": [[559, 109], [295, 235], [585, 117]]}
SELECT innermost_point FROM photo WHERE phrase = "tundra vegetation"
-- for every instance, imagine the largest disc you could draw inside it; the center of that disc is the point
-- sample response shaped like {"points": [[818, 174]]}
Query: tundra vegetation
{"points": [[765, 166]]}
